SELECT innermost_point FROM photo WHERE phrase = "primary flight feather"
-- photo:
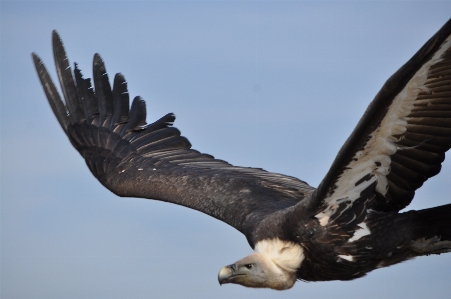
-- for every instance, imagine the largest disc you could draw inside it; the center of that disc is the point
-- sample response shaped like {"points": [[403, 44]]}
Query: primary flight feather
{"points": [[346, 227]]}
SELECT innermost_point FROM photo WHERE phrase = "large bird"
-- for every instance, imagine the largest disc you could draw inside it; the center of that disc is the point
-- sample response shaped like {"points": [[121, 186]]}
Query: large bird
{"points": [[350, 225]]}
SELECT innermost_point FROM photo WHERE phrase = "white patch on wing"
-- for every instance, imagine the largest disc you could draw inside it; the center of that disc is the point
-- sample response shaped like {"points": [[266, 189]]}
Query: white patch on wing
{"points": [[347, 257], [374, 160], [323, 218], [361, 232]]}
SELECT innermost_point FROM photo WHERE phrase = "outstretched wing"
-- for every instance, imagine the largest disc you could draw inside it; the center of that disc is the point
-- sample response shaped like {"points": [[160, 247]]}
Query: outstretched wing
{"points": [[398, 144], [132, 158]]}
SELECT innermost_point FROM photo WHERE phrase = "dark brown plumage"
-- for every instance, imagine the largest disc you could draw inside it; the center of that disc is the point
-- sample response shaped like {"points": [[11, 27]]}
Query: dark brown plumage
{"points": [[345, 228]]}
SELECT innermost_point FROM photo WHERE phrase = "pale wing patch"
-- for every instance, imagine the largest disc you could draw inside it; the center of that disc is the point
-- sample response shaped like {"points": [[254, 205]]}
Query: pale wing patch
{"points": [[347, 257], [372, 164], [361, 232]]}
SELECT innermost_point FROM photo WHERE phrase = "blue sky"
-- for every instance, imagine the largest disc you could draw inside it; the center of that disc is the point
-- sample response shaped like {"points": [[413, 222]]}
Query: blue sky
{"points": [[277, 85]]}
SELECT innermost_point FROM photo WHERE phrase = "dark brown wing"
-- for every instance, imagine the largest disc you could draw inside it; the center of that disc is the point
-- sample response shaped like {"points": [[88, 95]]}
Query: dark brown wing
{"points": [[132, 158], [398, 144]]}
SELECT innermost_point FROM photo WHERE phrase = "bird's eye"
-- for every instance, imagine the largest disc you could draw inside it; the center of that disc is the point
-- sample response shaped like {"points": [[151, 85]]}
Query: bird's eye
{"points": [[248, 266]]}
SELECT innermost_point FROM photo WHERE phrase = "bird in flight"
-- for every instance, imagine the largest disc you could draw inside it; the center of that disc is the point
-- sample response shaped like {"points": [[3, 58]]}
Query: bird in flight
{"points": [[348, 226]]}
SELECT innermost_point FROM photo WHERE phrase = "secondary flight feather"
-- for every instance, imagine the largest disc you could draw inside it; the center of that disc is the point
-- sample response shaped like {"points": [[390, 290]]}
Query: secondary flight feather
{"points": [[345, 228]]}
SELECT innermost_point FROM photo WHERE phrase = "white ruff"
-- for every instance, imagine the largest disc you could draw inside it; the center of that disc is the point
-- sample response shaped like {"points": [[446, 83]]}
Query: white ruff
{"points": [[286, 255]]}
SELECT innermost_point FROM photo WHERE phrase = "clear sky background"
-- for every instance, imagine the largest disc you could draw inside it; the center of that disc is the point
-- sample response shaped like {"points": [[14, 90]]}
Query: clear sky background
{"points": [[277, 85]]}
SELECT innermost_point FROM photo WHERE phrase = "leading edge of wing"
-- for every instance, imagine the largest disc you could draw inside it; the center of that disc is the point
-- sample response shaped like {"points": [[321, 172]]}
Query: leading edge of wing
{"points": [[135, 159], [388, 136]]}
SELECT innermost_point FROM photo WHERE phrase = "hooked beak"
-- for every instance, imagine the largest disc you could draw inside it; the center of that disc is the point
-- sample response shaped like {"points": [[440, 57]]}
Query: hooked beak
{"points": [[225, 273]]}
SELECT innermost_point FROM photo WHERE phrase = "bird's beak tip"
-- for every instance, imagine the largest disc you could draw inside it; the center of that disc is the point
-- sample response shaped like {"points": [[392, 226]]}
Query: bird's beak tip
{"points": [[224, 274]]}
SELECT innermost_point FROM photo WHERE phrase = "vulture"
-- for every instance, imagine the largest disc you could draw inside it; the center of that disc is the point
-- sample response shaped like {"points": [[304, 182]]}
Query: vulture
{"points": [[348, 226]]}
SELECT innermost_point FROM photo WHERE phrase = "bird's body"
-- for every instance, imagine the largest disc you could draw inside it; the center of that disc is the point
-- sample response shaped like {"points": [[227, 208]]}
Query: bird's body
{"points": [[348, 226]]}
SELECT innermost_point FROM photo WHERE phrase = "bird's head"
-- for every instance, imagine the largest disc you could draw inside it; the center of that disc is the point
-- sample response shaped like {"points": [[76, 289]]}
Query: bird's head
{"points": [[272, 265]]}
